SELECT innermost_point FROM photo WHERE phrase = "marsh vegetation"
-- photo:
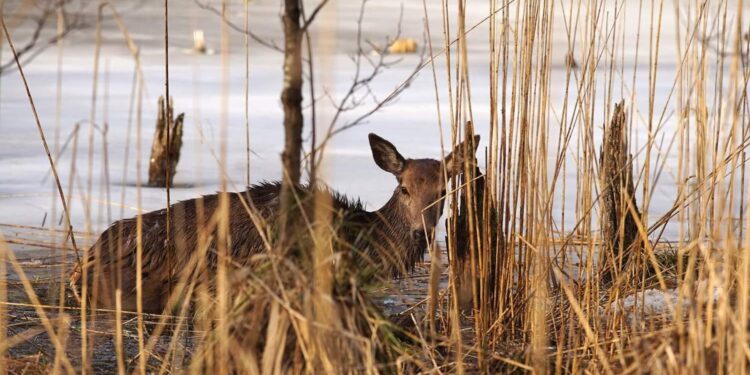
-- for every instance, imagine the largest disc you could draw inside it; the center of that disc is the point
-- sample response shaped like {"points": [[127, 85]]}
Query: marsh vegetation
{"points": [[601, 226]]}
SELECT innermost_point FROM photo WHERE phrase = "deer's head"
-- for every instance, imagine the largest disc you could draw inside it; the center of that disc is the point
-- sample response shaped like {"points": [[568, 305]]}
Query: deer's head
{"points": [[421, 183]]}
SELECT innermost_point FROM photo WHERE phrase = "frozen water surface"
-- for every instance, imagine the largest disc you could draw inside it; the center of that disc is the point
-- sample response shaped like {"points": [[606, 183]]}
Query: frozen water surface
{"points": [[411, 122]]}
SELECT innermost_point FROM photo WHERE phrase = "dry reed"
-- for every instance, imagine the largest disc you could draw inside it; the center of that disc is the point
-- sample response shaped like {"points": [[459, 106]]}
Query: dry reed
{"points": [[524, 241]]}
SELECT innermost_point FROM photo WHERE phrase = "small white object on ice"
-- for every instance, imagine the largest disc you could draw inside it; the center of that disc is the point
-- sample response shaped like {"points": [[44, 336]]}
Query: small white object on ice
{"points": [[703, 291], [31, 262], [661, 303], [199, 41], [649, 302]]}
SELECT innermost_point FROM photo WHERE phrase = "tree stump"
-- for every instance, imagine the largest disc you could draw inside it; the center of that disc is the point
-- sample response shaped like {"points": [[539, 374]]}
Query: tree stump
{"points": [[465, 274], [482, 209], [164, 156], [619, 230]]}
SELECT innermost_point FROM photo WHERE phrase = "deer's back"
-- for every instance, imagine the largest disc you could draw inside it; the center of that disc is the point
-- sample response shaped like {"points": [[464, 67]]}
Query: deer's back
{"points": [[191, 254]]}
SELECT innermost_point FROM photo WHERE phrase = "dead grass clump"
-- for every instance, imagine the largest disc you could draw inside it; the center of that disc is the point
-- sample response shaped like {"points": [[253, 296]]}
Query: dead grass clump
{"points": [[27, 365], [280, 321]]}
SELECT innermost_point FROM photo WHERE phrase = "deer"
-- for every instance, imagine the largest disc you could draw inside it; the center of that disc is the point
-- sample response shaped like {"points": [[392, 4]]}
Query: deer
{"points": [[392, 239]]}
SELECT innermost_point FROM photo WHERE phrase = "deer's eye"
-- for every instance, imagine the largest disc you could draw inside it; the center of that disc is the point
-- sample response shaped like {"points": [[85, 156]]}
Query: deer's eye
{"points": [[403, 190]]}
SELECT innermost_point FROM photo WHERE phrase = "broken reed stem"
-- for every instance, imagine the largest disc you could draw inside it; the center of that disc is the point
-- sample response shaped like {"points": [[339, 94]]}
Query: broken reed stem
{"points": [[223, 297], [58, 109], [92, 124], [167, 115], [139, 227]]}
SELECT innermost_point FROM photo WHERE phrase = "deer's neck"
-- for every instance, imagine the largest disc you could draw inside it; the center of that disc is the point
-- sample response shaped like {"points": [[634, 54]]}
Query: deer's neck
{"points": [[391, 238], [393, 217]]}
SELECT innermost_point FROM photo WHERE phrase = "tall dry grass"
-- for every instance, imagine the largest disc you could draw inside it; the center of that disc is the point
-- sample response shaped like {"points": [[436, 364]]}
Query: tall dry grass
{"points": [[525, 291], [581, 323]]}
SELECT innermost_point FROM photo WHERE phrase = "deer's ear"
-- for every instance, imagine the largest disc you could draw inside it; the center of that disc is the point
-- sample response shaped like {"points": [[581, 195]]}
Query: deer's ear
{"points": [[386, 156], [455, 160]]}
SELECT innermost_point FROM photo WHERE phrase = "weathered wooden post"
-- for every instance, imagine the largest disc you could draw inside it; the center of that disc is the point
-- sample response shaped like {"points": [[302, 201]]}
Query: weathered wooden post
{"points": [[164, 157], [619, 209], [470, 239]]}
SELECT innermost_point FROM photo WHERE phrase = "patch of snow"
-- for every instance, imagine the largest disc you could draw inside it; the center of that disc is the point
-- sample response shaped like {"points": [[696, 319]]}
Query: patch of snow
{"points": [[657, 303], [649, 302], [31, 262]]}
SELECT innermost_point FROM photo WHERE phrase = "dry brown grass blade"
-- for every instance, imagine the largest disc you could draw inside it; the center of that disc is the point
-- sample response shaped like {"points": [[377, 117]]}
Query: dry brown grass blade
{"points": [[583, 321], [31, 293], [276, 334]]}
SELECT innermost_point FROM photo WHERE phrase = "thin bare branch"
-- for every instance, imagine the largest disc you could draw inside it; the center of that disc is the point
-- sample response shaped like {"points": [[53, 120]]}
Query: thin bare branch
{"points": [[241, 29], [35, 45]]}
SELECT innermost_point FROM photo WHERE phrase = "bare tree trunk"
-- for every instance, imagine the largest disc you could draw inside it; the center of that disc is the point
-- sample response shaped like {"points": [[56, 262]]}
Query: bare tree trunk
{"points": [[291, 99], [164, 157], [619, 229]]}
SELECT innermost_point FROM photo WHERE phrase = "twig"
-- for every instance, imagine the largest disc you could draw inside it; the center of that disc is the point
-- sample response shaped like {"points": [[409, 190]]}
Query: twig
{"points": [[270, 44], [314, 13], [33, 47]]}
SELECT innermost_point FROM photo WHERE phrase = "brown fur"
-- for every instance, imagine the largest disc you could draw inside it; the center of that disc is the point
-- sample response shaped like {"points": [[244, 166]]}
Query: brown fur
{"points": [[392, 239]]}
